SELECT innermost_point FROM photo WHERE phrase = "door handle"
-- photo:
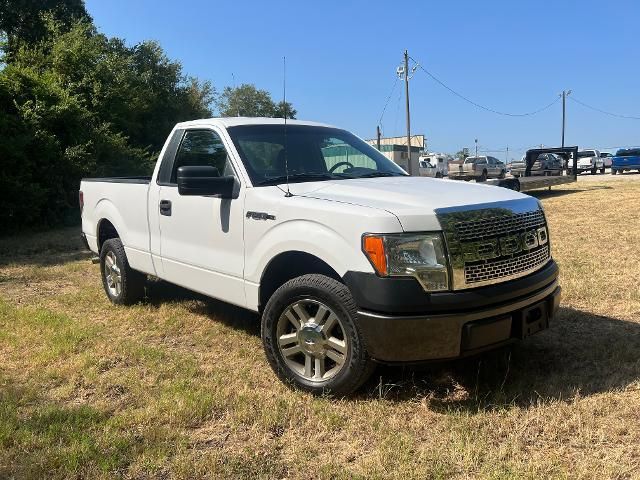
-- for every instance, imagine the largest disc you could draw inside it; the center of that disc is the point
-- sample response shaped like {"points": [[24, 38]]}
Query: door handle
{"points": [[165, 208]]}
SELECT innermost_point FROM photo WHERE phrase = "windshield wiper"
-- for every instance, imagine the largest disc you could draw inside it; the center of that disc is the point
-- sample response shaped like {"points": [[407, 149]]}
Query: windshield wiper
{"points": [[296, 176], [379, 174]]}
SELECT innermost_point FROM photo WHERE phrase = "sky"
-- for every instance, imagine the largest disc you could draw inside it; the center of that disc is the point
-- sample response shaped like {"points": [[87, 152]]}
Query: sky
{"points": [[510, 56]]}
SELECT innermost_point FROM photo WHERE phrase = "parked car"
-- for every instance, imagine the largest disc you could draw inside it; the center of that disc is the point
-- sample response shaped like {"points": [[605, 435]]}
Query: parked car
{"points": [[347, 262], [625, 159], [545, 164], [607, 159], [434, 165], [477, 168], [590, 161]]}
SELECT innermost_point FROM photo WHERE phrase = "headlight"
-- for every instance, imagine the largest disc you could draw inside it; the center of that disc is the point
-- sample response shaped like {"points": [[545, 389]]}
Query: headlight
{"points": [[417, 255]]}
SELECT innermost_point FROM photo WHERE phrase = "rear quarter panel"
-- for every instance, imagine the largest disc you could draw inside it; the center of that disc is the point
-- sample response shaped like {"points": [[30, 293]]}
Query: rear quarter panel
{"points": [[125, 206]]}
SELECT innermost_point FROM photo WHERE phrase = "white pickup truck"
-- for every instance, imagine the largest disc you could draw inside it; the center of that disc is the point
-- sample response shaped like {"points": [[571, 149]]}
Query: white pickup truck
{"points": [[591, 161], [348, 260]]}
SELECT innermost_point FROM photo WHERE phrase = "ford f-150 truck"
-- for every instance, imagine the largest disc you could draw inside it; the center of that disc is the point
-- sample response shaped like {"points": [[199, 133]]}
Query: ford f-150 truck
{"points": [[348, 260]]}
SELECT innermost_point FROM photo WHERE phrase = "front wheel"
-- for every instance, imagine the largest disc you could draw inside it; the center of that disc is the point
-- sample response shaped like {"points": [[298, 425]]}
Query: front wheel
{"points": [[594, 170], [483, 177], [311, 338], [503, 174], [122, 284]]}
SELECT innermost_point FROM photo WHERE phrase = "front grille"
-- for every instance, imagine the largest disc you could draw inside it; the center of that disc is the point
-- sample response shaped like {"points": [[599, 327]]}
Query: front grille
{"points": [[499, 225], [494, 243], [495, 269]]}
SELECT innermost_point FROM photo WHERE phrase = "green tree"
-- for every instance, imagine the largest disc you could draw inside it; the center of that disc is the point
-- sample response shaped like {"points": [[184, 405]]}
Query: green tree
{"points": [[77, 103], [461, 155], [24, 21], [249, 101]]}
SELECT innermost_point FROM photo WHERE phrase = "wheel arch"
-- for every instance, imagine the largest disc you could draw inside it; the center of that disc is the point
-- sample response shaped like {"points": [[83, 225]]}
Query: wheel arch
{"points": [[105, 231], [288, 265]]}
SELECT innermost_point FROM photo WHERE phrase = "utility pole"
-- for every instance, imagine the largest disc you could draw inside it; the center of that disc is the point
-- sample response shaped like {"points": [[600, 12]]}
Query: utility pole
{"points": [[476, 147], [406, 89], [506, 157], [564, 108], [378, 136]]}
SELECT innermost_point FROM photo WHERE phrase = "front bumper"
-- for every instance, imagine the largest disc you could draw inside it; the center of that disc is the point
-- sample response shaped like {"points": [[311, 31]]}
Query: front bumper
{"points": [[477, 321]]}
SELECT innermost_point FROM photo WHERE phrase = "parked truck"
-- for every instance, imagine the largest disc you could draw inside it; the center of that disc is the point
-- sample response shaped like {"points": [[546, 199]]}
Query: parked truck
{"points": [[478, 168], [346, 265], [590, 161], [625, 159]]}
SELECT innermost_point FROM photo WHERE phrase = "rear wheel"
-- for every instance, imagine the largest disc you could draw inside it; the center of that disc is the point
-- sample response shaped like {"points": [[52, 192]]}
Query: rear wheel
{"points": [[311, 339], [594, 170], [602, 170], [122, 284], [438, 175], [613, 172]]}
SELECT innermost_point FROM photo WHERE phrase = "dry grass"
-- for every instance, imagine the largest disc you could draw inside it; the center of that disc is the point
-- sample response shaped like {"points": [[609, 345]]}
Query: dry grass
{"points": [[178, 387]]}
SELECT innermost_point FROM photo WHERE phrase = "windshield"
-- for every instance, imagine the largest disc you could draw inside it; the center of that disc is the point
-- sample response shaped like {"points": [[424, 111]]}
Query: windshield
{"points": [[586, 153], [605, 154], [312, 154], [628, 152]]}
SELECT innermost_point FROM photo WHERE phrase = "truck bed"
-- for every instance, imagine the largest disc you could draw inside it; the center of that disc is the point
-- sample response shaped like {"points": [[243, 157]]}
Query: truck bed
{"points": [[124, 201], [146, 180]]}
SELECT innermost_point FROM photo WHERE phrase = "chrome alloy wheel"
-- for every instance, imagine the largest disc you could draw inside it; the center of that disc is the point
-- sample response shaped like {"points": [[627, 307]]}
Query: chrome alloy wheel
{"points": [[112, 274], [312, 340]]}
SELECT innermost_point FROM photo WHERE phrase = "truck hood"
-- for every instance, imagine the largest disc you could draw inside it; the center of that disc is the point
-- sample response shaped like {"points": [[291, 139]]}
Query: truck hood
{"points": [[413, 200]]}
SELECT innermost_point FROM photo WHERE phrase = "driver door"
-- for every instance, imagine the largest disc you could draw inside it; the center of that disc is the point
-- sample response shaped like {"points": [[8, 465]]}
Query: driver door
{"points": [[201, 237]]}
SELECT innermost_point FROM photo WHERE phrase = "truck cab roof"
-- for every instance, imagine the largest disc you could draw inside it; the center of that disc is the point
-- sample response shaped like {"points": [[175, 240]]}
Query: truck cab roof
{"points": [[226, 122]]}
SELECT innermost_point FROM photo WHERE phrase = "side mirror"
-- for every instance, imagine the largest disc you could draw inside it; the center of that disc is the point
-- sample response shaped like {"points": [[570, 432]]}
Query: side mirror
{"points": [[204, 180]]}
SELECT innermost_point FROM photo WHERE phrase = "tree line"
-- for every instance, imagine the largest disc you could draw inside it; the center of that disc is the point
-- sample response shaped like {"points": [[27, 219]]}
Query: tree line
{"points": [[75, 103]]}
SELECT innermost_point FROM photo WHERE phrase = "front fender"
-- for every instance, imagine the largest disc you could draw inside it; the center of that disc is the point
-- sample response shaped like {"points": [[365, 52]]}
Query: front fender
{"points": [[308, 236]]}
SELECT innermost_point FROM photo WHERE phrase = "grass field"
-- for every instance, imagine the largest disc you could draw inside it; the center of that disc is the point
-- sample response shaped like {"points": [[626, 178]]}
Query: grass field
{"points": [[178, 387]]}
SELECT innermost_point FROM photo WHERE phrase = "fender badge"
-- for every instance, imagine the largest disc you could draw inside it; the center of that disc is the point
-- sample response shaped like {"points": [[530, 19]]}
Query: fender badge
{"points": [[260, 216]]}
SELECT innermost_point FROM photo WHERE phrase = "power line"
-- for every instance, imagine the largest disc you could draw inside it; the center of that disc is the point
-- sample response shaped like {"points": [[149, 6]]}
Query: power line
{"points": [[603, 111], [488, 109], [388, 98]]}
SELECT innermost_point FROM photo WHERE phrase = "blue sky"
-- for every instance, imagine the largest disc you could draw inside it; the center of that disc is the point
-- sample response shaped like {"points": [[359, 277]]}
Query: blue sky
{"points": [[512, 56]]}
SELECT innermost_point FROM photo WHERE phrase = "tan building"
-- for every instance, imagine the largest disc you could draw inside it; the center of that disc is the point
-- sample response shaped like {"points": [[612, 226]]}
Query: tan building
{"points": [[395, 149]]}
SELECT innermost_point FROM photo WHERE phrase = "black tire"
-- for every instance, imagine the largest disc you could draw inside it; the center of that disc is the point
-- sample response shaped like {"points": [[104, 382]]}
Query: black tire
{"points": [[483, 177], [438, 175], [613, 171], [357, 366], [602, 170], [132, 282], [594, 171], [503, 174]]}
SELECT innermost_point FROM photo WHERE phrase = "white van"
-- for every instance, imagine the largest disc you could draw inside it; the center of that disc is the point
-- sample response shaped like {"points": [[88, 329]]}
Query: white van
{"points": [[434, 165]]}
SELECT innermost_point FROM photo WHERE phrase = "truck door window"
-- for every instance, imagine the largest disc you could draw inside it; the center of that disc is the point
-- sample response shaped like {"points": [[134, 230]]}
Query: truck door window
{"points": [[202, 148]]}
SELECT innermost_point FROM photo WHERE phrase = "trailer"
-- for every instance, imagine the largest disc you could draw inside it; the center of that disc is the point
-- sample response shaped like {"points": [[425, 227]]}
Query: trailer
{"points": [[530, 182]]}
